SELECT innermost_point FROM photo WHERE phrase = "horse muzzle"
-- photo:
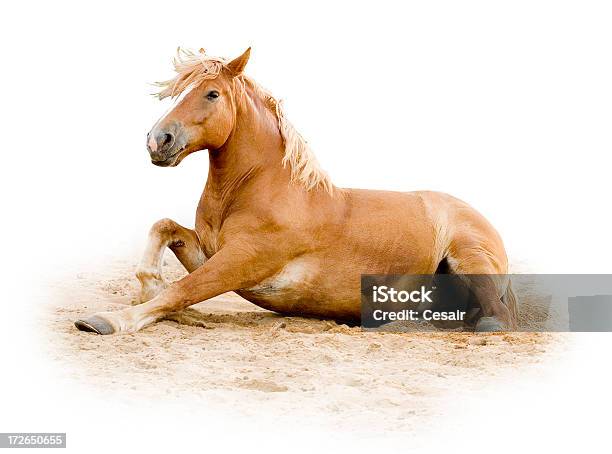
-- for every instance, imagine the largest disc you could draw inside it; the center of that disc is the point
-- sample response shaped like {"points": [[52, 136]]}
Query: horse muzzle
{"points": [[165, 145]]}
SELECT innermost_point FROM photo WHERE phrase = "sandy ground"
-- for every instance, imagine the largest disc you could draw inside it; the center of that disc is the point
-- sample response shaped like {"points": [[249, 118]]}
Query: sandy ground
{"points": [[229, 352]]}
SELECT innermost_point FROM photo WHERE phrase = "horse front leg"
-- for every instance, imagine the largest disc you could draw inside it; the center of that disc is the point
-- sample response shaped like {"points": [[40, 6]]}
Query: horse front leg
{"points": [[184, 242], [227, 270]]}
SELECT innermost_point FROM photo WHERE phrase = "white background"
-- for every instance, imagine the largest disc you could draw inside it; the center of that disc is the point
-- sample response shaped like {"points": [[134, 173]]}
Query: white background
{"points": [[506, 105]]}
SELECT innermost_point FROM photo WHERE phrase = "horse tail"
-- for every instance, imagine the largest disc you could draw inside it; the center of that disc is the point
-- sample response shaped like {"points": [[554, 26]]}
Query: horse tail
{"points": [[511, 301]]}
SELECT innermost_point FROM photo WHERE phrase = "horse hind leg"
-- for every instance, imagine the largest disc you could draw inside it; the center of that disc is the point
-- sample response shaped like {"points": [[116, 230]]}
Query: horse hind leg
{"points": [[488, 287], [183, 242]]}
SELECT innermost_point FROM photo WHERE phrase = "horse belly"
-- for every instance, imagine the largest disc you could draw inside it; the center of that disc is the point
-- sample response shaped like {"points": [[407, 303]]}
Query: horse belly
{"points": [[301, 289]]}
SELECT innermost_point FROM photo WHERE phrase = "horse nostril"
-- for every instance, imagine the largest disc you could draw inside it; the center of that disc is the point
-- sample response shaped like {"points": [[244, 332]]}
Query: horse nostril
{"points": [[165, 140]]}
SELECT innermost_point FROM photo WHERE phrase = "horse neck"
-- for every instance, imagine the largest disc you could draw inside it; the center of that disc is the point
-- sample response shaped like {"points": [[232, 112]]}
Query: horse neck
{"points": [[253, 152]]}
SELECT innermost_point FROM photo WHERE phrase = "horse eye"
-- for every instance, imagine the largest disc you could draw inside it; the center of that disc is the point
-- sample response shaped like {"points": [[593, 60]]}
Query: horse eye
{"points": [[212, 95]]}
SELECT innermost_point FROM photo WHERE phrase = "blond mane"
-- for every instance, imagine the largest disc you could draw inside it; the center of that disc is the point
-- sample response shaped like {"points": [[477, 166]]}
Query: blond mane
{"points": [[193, 68]]}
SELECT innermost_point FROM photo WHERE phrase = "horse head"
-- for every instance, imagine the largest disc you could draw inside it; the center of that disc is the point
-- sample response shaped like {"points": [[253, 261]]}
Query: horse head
{"points": [[204, 114]]}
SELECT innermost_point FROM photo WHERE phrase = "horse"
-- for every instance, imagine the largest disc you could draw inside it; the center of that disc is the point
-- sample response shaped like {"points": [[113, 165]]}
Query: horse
{"points": [[272, 227]]}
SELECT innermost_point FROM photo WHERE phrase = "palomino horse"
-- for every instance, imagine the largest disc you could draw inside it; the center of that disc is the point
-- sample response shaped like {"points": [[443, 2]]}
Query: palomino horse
{"points": [[272, 227]]}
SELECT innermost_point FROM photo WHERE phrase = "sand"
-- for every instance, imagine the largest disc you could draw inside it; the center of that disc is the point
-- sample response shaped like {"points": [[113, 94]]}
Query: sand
{"points": [[228, 352]]}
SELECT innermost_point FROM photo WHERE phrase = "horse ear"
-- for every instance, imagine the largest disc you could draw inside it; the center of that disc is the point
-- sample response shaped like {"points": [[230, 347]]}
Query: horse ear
{"points": [[236, 66]]}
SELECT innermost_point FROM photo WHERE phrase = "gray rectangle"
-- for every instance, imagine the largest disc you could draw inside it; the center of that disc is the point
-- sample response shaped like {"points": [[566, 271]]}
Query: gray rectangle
{"points": [[33, 440], [590, 313], [541, 302]]}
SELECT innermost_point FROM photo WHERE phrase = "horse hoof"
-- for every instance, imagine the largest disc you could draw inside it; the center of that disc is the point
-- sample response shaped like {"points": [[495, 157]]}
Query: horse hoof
{"points": [[95, 324], [488, 325]]}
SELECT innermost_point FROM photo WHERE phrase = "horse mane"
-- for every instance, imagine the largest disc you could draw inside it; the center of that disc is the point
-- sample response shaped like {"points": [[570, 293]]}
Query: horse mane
{"points": [[194, 68]]}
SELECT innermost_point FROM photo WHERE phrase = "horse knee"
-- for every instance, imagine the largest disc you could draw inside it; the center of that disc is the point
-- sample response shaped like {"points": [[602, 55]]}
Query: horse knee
{"points": [[164, 228]]}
